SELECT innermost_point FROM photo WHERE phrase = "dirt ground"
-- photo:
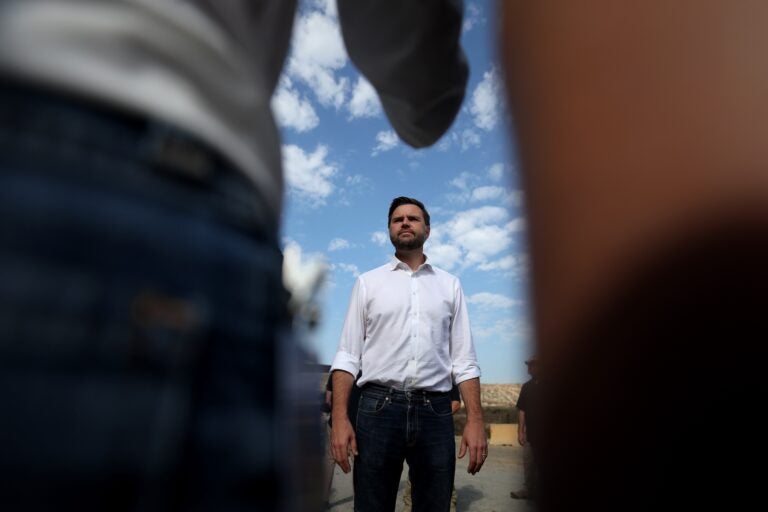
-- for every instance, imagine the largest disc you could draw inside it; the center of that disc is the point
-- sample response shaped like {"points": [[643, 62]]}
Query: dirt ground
{"points": [[487, 491]]}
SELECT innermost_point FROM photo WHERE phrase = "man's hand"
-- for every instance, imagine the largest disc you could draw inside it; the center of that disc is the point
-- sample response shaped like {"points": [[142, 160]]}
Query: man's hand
{"points": [[473, 440], [343, 443], [473, 437]]}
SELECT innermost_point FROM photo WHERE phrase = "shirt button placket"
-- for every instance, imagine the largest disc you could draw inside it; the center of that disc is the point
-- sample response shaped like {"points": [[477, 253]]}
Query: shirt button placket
{"points": [[415, 317]]}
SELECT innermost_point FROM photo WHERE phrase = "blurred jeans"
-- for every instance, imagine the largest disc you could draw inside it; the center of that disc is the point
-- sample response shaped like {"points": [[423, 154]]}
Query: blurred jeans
{"points": [[141, 304], [414, 426]]}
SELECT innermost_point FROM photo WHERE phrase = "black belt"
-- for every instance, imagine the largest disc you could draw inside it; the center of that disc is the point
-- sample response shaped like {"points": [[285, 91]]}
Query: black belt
{"points": [[404, 392]]}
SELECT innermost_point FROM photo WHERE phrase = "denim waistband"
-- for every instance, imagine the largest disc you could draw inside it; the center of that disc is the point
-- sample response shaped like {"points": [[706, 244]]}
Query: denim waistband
{"points": [[403, 392], [121, 146]]}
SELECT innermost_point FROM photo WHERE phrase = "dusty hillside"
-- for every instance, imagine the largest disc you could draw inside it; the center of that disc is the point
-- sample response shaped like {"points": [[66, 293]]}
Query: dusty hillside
{"points": [[499, 394]]}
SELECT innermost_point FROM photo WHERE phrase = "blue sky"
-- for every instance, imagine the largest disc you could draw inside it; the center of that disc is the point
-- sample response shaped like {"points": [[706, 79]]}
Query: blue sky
{"points": [[344, 165]]}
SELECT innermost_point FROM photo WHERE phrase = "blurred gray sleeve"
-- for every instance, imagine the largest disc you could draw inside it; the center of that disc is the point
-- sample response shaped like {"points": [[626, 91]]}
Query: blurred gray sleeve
{"points": [[409, 51]]}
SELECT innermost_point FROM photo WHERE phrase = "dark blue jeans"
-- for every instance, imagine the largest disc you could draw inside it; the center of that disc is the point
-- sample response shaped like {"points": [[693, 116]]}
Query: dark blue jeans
{"points": [[396, 426], [141, 304]]}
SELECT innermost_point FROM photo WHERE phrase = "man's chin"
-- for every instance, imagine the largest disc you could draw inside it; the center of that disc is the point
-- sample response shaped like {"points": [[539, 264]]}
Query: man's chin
{"points": [[408, 246]]}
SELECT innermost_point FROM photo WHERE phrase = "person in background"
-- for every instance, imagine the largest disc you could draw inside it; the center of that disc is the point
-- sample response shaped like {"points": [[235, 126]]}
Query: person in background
{"points": [[407, 329], [640, 128], [407, 500], [147, 360], [526, 430]]}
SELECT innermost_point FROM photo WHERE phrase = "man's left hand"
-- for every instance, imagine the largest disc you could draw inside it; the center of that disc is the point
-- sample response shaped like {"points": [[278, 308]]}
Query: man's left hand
{"points": [[473, 440]]}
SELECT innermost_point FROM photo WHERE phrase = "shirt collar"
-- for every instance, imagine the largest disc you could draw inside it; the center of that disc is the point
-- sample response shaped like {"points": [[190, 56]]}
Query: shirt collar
{"points": [[395, 264]]}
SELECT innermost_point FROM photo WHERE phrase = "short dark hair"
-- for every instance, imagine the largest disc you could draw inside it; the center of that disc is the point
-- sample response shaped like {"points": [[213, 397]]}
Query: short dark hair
{"points": [[399, 201]]}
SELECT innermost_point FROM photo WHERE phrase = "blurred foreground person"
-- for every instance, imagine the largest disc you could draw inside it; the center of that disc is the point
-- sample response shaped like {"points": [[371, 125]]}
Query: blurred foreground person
{"points": [[146, 355], [641, 131]]}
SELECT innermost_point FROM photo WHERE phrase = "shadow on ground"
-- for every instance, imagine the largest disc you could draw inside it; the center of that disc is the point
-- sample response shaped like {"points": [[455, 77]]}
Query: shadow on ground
{"points": [[466, 495]]}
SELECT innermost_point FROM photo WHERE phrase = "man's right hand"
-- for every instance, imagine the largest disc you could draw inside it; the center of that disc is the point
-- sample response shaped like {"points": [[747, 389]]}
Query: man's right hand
{"points": [[343, 442]]}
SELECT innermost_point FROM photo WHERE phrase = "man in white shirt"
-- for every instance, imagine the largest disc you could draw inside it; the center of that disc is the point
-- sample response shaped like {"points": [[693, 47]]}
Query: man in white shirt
{"points": [[407, 329]]}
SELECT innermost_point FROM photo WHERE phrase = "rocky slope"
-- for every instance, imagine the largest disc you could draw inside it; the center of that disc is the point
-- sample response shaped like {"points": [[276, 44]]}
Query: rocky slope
{"points": [[499, 395]]}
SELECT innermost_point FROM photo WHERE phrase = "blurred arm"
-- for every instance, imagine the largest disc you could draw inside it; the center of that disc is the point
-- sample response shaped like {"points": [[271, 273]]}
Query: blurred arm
{"points": [[409, 51]]}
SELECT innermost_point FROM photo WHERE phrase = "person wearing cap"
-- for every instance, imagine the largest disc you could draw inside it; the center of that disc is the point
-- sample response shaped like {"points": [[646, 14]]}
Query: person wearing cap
{"points": [[526, 430]]}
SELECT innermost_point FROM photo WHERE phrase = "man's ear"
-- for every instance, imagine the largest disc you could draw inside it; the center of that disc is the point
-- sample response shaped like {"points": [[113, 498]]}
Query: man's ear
{"points": [[427, 232]]}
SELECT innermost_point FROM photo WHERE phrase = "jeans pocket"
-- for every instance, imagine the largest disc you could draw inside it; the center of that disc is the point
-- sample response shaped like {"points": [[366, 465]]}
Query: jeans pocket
{"points": [[440, 406], [373, 404]]}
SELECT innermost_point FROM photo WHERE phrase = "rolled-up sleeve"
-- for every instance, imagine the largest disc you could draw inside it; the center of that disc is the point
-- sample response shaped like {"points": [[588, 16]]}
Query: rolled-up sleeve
{"points": [[463, 354], [348, 355]]}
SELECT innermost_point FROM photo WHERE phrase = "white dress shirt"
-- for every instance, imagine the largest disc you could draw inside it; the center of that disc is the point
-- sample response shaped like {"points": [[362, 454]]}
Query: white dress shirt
{"points": [[407, 329]]}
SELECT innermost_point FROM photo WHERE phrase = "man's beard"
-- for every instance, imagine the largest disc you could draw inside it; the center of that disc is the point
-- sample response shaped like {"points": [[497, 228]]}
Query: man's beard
{"points": [[415, 242]]}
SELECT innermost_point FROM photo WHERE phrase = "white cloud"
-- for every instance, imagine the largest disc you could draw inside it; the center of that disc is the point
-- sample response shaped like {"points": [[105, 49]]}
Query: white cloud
{"points": [[445, 256], [380, 238], [444, 144], [462, 181], [485, 104], [470, 188], [477, 237], [516, 225], [496, 171], [504, 329], [387, 140], [291, 110], [472, 16], [486, 193], [308, 175], [468, 139], [493, 300], [348, 268], [365, 101], [338, 244], [355, 180], [465, 139], [317, 54], [483, 242], [512, 265]]}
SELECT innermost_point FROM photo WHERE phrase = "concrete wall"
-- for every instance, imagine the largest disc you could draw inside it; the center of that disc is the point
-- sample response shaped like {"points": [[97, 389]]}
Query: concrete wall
{"points": [[503, 434]]}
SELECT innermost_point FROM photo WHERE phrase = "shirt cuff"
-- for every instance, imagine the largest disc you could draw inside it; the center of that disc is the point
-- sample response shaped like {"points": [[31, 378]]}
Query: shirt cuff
{"points": [[346, 362], [471, 372]]}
